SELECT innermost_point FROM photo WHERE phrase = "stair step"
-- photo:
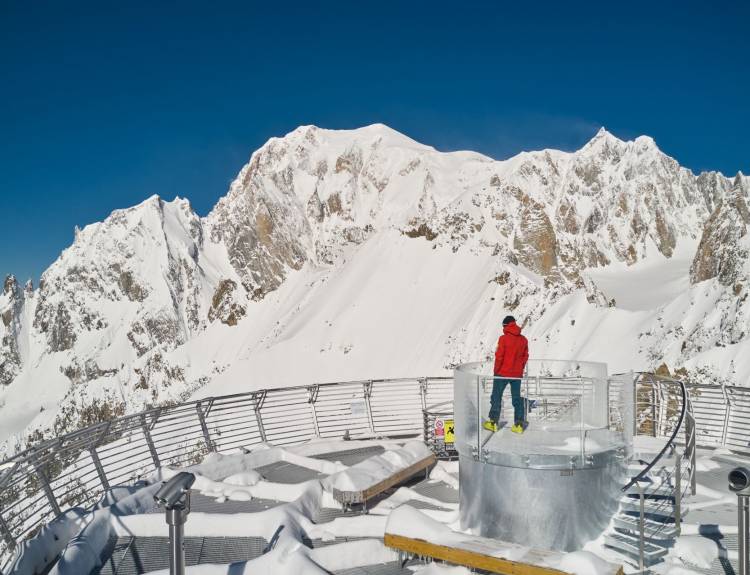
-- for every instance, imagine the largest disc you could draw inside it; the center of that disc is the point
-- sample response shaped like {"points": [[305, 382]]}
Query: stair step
{"points": [[657, 507], [653, 529], [651, 491], [629, 544]]}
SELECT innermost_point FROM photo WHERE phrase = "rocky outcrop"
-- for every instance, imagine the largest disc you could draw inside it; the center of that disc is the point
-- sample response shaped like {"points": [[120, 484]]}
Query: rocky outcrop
{"points": [[11, 324], [225, 304], [724, 246]]}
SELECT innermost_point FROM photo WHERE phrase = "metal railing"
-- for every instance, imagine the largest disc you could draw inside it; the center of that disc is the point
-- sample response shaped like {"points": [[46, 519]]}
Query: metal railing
{"points": [[75, 470], [668, 412]]}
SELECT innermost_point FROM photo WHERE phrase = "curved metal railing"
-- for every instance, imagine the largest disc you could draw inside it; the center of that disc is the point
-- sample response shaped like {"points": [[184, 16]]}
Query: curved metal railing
{"points": [[74, 470], [672, 439]]}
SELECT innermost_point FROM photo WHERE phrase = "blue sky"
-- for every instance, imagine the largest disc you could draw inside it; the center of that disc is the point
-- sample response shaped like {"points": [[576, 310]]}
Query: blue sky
{"points": [[103, 104]]}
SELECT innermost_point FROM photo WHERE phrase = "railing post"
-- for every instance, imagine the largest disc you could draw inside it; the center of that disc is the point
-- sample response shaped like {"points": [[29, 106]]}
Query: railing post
{"points": [[641, 530], [653, 408], [149, 441], [661, 428], [312, 397], [368, 393], [727, 412], [46, 487], [635, 405], [478, 455], [99, 467], [259, 398], [743, 527], [423, 392], [678, 492], [690, 444], [204, 427], [7, 535]]}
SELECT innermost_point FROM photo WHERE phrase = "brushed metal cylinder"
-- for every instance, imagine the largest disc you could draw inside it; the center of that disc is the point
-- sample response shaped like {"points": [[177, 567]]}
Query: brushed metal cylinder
{"points": [[558, 509]]}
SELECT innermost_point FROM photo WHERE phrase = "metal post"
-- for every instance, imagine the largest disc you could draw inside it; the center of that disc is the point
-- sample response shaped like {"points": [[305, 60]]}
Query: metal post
{"points": [[258, 399], [367, 392], [727, 413], [653, 409], [743, 530], [635, 406], [479, 417], [174, 496], [423, 392], [149, 441], [690, 447], [202, 421], [608, 408], [44, 481], [176, 518], [678, 492], [312, 397], [99, 468], [583, 427], [641, 530], [526, 402]]}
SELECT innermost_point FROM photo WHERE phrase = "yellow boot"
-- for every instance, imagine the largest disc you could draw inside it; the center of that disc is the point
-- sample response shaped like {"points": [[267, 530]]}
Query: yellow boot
{"points": [[490, 425], [517, 428]]}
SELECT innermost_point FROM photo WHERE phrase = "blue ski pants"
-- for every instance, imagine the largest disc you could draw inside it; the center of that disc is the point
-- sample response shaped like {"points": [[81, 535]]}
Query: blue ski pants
{"points": [[496, 399]]}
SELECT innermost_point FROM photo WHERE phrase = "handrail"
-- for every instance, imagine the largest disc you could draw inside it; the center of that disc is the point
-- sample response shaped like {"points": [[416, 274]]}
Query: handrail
{"points": [[677, 428]]}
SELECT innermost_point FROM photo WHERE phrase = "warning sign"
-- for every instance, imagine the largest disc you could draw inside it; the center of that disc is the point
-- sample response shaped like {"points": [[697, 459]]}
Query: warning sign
{"points": [[450, 431], [439, 428]]}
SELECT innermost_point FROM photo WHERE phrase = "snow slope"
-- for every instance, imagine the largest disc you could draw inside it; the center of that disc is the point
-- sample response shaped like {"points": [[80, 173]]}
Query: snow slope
{"points": [[361, 254]]}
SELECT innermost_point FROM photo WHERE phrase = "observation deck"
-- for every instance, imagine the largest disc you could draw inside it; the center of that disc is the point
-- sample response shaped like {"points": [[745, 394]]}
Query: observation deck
{"points": [[568, 465], [261, 493]]}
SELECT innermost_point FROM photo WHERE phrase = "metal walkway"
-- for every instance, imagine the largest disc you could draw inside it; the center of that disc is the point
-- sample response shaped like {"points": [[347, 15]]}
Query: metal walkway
{"points": [[139, 555]]}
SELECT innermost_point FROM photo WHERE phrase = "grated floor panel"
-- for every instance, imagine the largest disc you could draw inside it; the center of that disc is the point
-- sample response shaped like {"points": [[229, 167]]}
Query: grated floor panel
{"points": [[205, 504], [437, 490], [393, 568], [352, 456], [136, 555], [283, 472]]}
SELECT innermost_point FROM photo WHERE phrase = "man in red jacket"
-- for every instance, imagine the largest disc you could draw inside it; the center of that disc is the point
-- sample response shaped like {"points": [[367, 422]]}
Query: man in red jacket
{"points": [[510, 360]]}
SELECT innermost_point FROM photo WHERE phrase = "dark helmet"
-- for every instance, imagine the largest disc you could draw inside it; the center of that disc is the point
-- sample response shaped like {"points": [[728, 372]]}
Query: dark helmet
{"points": [[509, 319]]}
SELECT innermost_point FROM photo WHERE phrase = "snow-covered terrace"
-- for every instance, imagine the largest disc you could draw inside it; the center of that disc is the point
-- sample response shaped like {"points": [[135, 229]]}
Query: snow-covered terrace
{"points": [[266, 463]]}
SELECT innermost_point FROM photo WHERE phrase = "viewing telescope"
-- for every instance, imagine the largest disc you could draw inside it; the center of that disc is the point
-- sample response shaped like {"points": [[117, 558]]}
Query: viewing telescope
{"points": [[174, 496], [739, 483], [172, 492]]}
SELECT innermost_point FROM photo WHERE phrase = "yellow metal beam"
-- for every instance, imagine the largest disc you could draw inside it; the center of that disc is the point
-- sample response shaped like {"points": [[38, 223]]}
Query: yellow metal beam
{"points": [[469, 558]]}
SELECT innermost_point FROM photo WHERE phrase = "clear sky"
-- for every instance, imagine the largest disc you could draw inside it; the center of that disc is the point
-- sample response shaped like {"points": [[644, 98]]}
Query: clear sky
{"points": [[104, 103]]}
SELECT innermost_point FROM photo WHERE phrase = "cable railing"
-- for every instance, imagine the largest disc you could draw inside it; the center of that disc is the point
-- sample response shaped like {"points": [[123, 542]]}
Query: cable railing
{"points": [[74, 470]]}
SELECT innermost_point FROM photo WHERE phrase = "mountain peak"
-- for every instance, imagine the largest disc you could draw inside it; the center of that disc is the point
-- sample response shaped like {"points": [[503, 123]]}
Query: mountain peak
{"points": [[602, 138]]}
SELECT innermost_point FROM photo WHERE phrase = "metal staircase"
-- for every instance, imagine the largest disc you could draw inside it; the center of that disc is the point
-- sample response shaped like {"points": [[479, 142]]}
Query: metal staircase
{"points": [[650, 513]]}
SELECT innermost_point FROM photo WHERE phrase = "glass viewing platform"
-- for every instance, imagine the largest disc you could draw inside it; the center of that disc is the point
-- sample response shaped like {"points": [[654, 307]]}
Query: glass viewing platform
{"points": [[557, 484]]}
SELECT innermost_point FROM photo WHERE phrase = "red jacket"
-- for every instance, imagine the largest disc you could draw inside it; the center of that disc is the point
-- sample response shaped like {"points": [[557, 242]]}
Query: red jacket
{"points": [[512, 352]]}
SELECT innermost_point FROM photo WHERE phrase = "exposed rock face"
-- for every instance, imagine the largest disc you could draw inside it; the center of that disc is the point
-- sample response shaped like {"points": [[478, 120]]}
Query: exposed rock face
{"points": [[224, 304], [535, 243], [723, 249], [11, 324]]}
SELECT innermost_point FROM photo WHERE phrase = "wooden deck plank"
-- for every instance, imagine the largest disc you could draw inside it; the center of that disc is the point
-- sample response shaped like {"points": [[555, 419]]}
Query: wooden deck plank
{"points": [[349, 497]]}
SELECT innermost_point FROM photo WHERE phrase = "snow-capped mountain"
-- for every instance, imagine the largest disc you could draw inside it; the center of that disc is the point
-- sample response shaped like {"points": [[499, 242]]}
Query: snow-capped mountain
{"points": [[362, 253]]}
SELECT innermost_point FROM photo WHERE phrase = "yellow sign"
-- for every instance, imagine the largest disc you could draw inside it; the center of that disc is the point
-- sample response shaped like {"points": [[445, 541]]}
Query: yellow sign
{"points": [[450, 431]]}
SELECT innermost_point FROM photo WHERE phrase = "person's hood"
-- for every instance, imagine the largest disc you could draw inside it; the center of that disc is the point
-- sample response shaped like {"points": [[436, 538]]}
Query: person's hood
{"points": [[511, 329]]}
